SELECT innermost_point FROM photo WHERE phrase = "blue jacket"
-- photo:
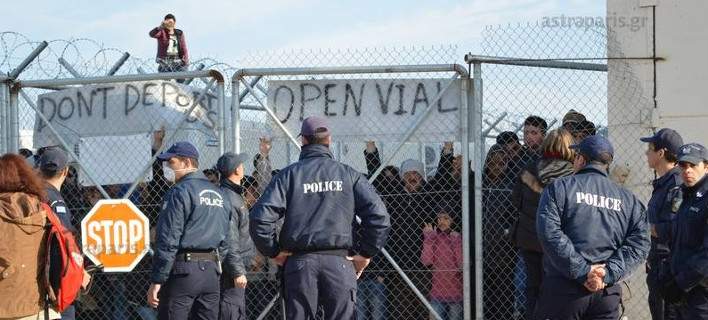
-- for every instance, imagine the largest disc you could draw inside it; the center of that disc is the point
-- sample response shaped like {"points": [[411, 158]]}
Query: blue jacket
{"points": [[660, 209], [587, 219], [318, 198], [58, 205], [194, 216], [241, 247], [689, 256]]}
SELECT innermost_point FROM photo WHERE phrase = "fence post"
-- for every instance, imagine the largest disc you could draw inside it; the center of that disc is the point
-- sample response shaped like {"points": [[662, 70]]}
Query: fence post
{"points": [[13, 122], [465, 181], [3, 117], [478, 140], [236, 116]]}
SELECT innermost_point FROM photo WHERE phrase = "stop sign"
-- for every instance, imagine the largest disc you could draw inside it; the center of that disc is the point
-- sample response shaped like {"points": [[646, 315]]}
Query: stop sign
{"points": [[115, 234]]}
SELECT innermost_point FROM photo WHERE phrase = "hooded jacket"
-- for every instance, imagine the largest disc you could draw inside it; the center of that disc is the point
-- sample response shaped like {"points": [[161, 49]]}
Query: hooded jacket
{"points": [[22, 222], [527, 194]]}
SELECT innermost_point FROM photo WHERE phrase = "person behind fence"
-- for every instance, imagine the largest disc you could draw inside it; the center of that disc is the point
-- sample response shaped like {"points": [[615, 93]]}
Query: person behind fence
{"points": [[172, 54], [594, 234], [572, 121], [442, 252], [687, 283], [535, 129], [22, 222], [318, 198], [556, 162], [191, 237], [233, 281], [662, 150], [499, 255]]}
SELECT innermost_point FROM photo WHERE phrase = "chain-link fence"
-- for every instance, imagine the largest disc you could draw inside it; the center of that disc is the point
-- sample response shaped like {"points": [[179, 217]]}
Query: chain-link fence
{"points": [[547, 72], [420, 174]]}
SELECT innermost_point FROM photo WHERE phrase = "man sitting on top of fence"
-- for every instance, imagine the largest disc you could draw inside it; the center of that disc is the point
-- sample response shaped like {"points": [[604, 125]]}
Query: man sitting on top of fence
{"points": [[172, 54]]}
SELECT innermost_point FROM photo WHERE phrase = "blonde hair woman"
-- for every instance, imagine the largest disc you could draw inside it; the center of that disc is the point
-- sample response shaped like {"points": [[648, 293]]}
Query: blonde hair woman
{"points": [[555, 162]]}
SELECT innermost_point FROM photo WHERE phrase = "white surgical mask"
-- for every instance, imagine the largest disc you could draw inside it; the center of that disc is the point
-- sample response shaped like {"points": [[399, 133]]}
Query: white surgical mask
{"points": [[167, 172]]}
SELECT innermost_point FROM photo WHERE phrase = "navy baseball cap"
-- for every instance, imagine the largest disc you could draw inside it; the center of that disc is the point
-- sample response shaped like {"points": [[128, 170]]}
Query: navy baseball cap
{"points": [[229, 161], [53, 159], [314, 126], [180, 149], [667, 139], [693, 153], [593, 146]]}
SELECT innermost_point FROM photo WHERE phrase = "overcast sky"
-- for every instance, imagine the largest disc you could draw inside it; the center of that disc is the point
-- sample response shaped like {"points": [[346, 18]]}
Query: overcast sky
{"points": [[226, 29]]}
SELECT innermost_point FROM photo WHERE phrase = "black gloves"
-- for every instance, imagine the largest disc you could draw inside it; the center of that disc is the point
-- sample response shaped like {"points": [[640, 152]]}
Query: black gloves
{"points": [[671, 291]]}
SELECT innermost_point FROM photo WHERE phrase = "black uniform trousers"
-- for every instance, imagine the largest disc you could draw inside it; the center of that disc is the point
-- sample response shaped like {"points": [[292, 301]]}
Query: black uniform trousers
{"points": [[233, 301], [694, 306], [657, 269], [564, 299], [191, 292], [316, 279]]}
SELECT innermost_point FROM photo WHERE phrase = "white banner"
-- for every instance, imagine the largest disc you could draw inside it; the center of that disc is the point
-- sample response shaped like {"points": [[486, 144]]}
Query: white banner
{"points": [[369, 109], [126, 110]]}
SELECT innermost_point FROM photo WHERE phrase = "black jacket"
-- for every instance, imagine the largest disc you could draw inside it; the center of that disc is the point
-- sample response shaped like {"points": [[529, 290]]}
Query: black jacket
{"points": [[587, 219], [527, 194], [689, 253], [661, 208], [318, 198], [241, 248], [194, 216]]}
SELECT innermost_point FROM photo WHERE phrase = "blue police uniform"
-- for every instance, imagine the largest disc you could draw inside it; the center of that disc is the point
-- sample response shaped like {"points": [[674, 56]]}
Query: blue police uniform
{"points": [[583, 220], [192, 233], [689, 254], [51, 161], [241, 250], [660, 211], [318, 198]]}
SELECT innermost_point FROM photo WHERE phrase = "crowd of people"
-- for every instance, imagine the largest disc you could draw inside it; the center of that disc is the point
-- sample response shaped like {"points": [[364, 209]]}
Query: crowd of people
{"points": [[425, 217]]}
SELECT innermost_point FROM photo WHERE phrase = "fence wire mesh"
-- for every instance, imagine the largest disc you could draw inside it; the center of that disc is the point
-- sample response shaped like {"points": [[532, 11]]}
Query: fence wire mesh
{"points": [[416, 199], [512, 255]]}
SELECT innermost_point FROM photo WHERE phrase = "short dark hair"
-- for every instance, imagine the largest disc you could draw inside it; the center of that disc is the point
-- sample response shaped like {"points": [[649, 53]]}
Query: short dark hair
{"points": [[320, 137], [537, 122], [603, 159], [170, 16], [47, 174], [670, 157]]}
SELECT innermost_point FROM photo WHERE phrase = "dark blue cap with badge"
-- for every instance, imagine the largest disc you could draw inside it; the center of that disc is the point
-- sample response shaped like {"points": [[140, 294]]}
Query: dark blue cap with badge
{"points": [[314, 126], [228, 162], [180, 149], [52, 159], [593, 147], [693, 153], [665, 138]]}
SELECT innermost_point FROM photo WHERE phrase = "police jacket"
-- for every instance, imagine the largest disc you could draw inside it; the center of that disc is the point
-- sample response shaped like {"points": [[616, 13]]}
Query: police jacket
{"points": [[241, 247], [587, 219], [689, 259], [58, 205], [318, 197], [660, 209], [194, 217]]}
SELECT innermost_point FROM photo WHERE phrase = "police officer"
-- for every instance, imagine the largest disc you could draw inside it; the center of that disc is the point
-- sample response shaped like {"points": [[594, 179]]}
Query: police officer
{"points": [[192, 233], [594, 233], [318, 198], [661, 154], [688, 282], [233, 280], [53, 168]]}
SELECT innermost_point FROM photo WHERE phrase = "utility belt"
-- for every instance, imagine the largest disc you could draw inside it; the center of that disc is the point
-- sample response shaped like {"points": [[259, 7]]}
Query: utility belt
{"points": [[198, 255], [331, 252]]}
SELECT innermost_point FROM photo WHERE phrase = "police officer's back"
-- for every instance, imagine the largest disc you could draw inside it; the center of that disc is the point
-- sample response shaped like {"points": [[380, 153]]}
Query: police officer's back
{"points": [[688, 282], [318, 198], [594, 234], [192, 232]]}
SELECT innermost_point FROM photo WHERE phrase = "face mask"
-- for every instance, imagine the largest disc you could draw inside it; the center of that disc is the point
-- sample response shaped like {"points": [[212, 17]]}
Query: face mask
{"points": [[167, 172]]}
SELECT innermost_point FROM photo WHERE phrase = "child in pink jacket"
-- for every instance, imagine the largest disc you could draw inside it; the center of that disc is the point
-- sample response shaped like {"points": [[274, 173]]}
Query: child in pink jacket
{"points": [[442, 251]]}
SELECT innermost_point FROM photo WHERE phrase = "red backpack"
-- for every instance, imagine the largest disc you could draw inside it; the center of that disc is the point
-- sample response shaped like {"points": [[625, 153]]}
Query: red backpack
{"points": [[64, 269]]}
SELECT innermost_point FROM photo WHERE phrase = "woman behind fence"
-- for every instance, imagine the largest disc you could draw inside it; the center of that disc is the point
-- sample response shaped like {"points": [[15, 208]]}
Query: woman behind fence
{"points": [[499, 254], [22, 223], [556, 161]]}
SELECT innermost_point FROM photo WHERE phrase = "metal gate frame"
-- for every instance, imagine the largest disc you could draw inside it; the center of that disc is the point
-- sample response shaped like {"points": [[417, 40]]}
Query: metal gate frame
{"points": [[16, 90], [464, 135]]}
